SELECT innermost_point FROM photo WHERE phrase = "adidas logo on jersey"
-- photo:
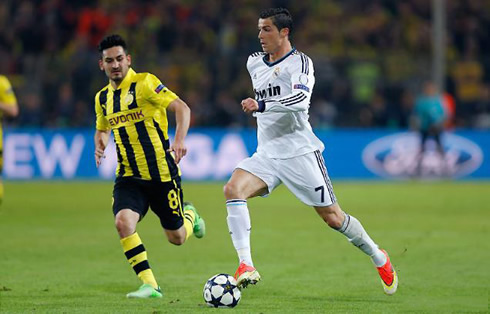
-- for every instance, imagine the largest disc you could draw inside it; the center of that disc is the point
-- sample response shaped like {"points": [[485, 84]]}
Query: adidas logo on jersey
{"points": [[268, 92]]}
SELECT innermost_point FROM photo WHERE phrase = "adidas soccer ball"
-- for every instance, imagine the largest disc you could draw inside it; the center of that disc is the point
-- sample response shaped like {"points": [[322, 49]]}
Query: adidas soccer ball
{"points": [[221, 291]]}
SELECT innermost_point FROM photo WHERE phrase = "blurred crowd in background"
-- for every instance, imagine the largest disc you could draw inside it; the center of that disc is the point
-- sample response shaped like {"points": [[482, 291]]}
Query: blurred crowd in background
{"points": [[370, 57]]}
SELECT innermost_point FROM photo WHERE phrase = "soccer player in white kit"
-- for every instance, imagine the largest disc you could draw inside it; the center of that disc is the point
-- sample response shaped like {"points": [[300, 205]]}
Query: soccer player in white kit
{"points": [[288, 151]]}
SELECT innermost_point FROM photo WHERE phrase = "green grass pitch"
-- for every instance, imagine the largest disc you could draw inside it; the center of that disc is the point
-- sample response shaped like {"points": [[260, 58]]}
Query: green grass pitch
{"points": [[59, 251]]}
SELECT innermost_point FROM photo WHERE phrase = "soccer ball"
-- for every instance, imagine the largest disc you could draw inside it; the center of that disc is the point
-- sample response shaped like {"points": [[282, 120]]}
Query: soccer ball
{"points": [[221, 291]]}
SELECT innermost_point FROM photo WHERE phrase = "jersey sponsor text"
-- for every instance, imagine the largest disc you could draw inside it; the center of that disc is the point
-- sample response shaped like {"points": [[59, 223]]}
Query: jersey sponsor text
{"points": [[268, 92], [132, 116]]}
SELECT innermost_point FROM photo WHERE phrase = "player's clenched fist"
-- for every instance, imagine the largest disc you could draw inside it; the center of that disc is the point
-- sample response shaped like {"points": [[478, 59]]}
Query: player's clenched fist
{"points": [[249, 105]]}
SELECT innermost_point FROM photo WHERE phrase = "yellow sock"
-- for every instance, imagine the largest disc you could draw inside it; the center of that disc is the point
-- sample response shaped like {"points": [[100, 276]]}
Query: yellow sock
{"points": [[189, 217], [136, 254]]}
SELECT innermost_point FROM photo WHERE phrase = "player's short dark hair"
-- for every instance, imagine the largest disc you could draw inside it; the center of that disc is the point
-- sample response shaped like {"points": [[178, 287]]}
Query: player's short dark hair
{"points": [[112, 41], [281, 18]]}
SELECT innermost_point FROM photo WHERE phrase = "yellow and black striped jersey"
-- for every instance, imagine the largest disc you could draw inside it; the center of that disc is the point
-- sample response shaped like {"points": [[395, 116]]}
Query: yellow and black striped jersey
{"points": [[136, 113], [7, 97]]}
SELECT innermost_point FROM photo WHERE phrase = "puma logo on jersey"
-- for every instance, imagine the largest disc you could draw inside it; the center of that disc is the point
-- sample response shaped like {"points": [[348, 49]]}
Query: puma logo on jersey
{"points": [[268, 92]]}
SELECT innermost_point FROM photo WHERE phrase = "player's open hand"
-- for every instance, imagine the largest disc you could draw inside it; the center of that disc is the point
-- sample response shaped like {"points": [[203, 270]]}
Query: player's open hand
{"points": [[179, 150], [249, 105]]}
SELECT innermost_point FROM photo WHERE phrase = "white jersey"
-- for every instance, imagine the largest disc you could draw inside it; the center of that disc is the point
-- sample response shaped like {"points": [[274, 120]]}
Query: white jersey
{"points": [[283, 89]]}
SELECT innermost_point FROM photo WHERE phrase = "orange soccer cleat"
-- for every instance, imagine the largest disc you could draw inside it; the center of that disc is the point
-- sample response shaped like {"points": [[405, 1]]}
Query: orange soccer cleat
{"points": [[245, 275], [388, 276]]}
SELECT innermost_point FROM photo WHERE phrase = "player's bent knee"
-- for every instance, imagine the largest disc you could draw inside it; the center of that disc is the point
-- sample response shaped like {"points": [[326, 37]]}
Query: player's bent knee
{"points": [[124, 226], [177, 240], [176, 237]]}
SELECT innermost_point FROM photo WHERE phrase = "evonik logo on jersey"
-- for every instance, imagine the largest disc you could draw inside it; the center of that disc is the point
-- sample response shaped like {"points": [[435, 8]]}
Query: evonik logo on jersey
{"points": [[125, 117], [397, 156], [268, 92]]}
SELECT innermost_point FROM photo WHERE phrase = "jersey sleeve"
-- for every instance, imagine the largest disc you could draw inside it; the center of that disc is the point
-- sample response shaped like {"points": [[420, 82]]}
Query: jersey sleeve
{"points": [[101, 122], [249, 66], [7, 95], [302, 82], [157, 93]]}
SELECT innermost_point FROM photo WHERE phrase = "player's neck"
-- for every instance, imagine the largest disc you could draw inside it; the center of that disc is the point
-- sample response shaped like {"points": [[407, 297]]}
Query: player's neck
{"points": [[115, 84], [281, 52]]}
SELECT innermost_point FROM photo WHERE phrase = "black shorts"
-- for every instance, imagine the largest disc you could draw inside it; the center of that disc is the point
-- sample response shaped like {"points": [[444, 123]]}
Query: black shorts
{"points": [[164, 198], [433, 131]]}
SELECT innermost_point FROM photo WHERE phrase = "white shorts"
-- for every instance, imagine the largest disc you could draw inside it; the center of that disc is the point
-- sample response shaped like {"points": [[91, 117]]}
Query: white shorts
{"points": [[306, 176]]}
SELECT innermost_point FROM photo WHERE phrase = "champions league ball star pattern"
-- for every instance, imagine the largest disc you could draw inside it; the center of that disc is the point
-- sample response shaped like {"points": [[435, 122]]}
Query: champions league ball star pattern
{"points": [[221, 291]]}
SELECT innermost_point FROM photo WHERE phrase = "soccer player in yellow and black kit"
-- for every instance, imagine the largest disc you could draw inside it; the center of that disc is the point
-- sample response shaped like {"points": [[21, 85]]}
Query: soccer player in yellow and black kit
{"points": [[9, 108], [134, 106]]}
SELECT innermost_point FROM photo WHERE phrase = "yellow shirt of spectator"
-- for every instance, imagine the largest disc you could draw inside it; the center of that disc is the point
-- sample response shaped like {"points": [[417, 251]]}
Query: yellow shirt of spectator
{"points": [[7, 97], [136, 113]]}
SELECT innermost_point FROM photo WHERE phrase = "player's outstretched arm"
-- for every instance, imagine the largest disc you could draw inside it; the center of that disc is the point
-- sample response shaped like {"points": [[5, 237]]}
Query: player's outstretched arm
{"points": [[101, 139], [182, 119]]}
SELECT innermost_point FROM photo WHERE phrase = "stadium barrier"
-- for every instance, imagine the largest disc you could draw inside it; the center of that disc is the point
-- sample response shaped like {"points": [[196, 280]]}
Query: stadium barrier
{"points": [[213, 153]]}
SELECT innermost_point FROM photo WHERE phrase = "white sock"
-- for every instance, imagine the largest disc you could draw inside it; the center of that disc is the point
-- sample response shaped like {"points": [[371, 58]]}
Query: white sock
{"points": [[239, 226], [353, 230]]}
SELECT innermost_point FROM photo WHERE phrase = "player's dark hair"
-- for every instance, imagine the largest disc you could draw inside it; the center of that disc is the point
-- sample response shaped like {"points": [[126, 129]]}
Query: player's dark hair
{"points": [[280, 17], [112, 41]]}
